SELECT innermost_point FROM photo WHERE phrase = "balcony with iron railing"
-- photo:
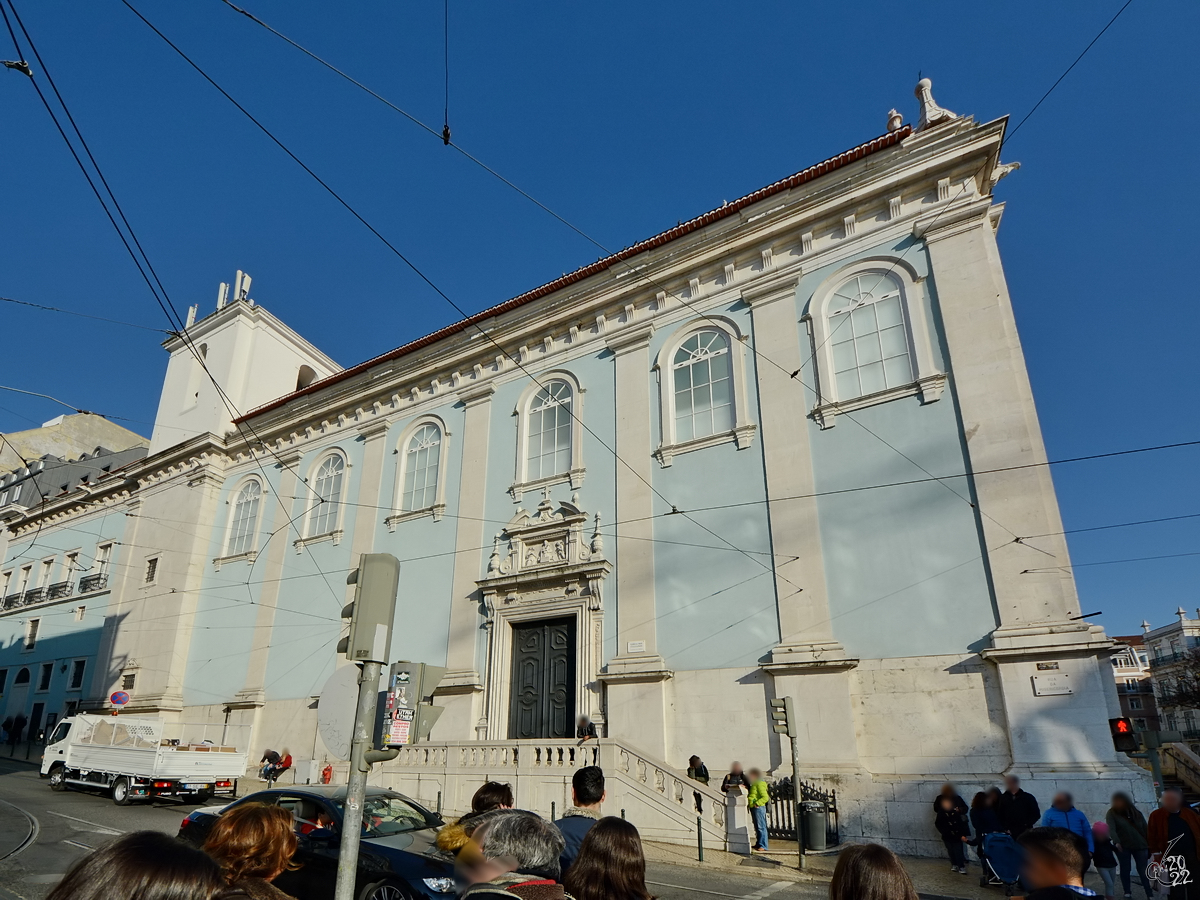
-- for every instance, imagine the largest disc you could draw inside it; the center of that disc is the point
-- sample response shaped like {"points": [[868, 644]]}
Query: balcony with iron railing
{"points": [[1140, 687], [60, 589], [12, 601], [90, 583], [1165, 659], [34, 595]]}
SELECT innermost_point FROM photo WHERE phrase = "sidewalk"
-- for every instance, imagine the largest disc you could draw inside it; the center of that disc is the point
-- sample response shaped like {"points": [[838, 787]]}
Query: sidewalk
{"points": [[932, 877]]}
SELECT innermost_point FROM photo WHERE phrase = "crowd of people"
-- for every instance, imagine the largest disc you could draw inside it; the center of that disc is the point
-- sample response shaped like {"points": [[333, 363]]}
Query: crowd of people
{"points": [[1121, 844], [501, 852]]}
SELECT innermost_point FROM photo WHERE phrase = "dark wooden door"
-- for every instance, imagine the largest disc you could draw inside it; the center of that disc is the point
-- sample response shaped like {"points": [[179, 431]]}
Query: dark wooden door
{"points": [[543, 680]]}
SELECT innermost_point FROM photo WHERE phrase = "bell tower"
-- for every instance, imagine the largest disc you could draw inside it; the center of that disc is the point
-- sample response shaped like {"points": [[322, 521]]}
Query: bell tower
{"points": [[249, 353]]}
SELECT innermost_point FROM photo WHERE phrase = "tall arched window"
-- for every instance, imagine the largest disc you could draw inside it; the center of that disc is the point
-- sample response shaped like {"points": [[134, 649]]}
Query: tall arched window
{"points": [[868, 336], [703, 387], [327, 495], [243, 523], [422, 456], [549, 435]]}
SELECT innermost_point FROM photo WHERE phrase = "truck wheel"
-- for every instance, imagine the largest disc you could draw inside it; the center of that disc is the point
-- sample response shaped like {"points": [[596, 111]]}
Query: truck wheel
{"points": [[201, 796], [120, 791], [58, 778]]}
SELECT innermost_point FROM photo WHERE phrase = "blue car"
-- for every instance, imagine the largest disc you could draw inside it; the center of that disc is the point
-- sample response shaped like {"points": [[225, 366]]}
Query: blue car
{"points": [[397, 859]]}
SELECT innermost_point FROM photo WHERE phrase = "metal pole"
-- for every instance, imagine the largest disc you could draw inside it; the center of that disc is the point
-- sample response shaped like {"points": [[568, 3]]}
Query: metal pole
{"points": [[439, 806], [364, 717], [1156, 771], [700, 838], [622, 814], [552, 816], [796, 797]]}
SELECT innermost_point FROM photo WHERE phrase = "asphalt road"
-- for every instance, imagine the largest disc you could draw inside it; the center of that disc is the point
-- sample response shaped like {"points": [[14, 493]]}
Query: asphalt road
{"points": [[43, 832]]}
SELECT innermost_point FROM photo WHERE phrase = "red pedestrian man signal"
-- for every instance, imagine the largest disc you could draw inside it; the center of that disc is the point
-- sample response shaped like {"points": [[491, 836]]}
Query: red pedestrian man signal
{"points": [[1124, 738]]}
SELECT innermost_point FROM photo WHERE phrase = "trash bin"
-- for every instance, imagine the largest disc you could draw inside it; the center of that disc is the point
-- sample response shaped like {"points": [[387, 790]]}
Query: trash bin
{"points": [[814, 824]]}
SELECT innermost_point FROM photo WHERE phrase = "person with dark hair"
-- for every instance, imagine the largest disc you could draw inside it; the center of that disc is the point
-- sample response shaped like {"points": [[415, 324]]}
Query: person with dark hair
{"points": [[610, 864], [587, 793], [142, 865], [585, 730], [697, 771], [1173, 836], [1063, 814], [735, 779], [512, 853], [985, 821], [1055, 860], [870, 872], [756, 801], [1018, 809], [1104, 855], [1127, 827], [491, 795], [950, 819], [254, 844]]}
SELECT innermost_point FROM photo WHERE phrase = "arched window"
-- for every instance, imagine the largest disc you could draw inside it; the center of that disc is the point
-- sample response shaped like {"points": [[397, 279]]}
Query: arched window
{"points": [[549, 431], [702, 389], [243, 523], [870, 339], [868, 336], [700, 376], [326, 495], [422, 458], [22, 677]]}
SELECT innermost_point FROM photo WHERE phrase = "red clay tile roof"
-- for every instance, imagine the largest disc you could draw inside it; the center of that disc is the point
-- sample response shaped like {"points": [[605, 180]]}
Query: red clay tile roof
{"points": [[684, 228]]}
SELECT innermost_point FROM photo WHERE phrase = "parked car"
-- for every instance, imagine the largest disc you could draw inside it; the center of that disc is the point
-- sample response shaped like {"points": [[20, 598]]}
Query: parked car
{"points": [[397, 859]]}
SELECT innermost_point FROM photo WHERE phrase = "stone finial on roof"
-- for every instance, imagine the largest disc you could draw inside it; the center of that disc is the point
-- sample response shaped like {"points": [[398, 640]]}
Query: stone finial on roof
{"points": [[931, 113], [895, 121], [1181, 613], [1145, 626]]}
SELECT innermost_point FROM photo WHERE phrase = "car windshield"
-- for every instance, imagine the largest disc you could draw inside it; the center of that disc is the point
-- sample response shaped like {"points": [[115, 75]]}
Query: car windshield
{"points": [[385, 814]]}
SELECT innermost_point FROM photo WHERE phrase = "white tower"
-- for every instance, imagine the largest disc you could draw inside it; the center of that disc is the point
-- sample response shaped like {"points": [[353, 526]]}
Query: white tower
{"points": [[252, 355]]}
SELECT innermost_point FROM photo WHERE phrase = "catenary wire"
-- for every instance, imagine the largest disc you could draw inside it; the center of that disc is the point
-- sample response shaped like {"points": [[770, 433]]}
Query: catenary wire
{"points": [[71, 312], [417, 271]]}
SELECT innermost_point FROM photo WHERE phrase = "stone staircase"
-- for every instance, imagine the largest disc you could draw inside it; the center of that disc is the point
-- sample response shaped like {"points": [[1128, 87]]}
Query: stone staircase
{"points": [[659, 799]]}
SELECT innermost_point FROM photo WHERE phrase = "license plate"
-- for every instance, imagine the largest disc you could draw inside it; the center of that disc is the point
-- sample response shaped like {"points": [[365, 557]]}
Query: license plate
{"points": [[195, 787]]}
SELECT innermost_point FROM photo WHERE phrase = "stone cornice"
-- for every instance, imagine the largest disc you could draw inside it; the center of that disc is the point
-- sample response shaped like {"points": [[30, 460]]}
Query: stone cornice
{"points": [[698, 271]]}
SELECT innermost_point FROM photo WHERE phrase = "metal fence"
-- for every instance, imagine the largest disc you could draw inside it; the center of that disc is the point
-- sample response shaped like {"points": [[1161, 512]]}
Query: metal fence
{"points": [[781, 811]]}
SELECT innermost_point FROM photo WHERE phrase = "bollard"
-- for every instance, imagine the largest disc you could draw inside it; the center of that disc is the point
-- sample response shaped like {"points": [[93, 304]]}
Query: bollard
{"points": [[439, 806], [552, 816], [622, 814], [700, 838]]}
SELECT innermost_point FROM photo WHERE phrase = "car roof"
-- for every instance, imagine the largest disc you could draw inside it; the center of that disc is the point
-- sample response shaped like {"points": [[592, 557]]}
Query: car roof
{"points": [[327, 791]]}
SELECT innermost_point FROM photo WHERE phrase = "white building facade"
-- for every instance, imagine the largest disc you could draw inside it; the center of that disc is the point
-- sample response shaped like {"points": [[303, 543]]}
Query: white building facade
{"points": [[783, 449]]}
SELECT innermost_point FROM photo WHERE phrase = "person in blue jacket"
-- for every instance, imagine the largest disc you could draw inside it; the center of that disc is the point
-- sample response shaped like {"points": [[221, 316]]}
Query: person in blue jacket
{"points": [[1063, 814]]}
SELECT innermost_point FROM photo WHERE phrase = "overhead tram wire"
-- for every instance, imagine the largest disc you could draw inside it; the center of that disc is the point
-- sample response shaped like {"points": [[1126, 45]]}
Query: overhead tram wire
{"points": [[71, 312], [164, 301], [793, 375], [425, 278]]}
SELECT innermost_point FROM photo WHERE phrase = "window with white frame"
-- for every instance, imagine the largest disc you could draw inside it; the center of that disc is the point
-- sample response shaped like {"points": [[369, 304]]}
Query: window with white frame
{"points": [[31, 633], [422, 459], [703, 386], [703, 399], [870, 339], [44, 676], [243, 521], [868, 336], [548, 447], [327, 495]]}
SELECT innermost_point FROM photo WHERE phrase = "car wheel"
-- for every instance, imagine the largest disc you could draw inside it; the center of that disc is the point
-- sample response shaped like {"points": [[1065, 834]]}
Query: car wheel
{"points": [[120, 791], [58, 778], [384, 890]]}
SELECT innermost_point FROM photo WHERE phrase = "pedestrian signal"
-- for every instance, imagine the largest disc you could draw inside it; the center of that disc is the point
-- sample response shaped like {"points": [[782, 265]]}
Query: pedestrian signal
{"points": [[1125, 739], [783, 716]]}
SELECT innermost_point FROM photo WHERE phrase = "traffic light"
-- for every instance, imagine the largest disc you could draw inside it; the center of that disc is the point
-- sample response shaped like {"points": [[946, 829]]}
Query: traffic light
{"points": [[1125, 740], [411, 713], [783, 716], [373, 608]]}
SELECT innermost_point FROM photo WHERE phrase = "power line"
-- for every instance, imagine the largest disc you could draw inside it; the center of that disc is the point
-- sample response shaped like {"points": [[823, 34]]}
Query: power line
{"points": [[643, 275], [412, 266], [71, 312], [1108, 562]]}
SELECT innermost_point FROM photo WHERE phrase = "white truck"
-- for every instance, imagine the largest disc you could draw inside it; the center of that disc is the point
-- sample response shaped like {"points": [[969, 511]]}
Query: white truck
{"points": [[133, 758]]}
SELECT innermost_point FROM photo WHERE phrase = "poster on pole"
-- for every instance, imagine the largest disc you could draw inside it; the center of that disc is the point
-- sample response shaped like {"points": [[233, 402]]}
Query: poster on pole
{"points": [[402, 719]]}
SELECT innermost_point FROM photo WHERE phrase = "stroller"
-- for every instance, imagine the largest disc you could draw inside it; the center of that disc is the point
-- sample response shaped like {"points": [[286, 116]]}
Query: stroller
{"points": [[1001, 861]]}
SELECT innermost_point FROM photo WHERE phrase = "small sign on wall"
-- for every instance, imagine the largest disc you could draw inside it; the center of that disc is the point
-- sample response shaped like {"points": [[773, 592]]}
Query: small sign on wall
{"points": [[1051, 684], [636, 647], [1047, 666]]}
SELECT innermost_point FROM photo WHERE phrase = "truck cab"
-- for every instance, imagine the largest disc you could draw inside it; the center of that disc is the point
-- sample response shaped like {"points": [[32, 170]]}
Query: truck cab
{"points": [[56, 751]]}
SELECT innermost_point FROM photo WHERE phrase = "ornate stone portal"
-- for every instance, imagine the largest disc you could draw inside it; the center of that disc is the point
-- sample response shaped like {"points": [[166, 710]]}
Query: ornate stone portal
{"points": [[544, 567]]}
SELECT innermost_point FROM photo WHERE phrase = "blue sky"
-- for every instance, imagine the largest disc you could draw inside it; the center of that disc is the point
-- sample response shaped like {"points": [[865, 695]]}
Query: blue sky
{"points": [[624, 118]]}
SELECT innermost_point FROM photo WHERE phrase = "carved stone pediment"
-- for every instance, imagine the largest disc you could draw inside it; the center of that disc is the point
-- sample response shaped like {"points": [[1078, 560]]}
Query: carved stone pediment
{"points": [[546, 556]]}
